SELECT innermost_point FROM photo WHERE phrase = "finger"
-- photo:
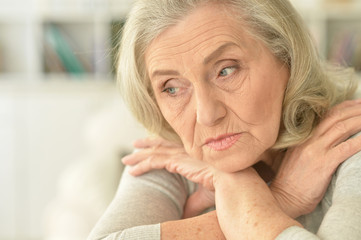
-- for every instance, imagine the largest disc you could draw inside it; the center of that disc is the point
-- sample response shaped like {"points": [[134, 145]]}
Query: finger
{"points": [[337, 133], [342, 130], [139, 156], [152, 162], [173, 163], [345, 150], [194, 170], [338, 113], [153, 142]]}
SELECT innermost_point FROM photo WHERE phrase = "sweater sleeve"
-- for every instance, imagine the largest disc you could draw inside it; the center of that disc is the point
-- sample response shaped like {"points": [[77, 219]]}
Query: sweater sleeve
{"points": [[343, 218], [140, 204]]}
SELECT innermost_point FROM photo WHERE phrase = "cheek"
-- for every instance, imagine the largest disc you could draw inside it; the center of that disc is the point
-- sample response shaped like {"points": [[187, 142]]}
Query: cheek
{"points": [[261, 107], [268, 93], [183, 121], [177, 117]]}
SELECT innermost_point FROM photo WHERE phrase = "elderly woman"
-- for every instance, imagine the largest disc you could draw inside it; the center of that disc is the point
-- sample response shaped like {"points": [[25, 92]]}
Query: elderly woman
{"points": [[238, 92]]}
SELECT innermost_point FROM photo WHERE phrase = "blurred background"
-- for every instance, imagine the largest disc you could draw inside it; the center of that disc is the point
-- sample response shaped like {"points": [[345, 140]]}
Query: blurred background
{"points": [[63, 125]]}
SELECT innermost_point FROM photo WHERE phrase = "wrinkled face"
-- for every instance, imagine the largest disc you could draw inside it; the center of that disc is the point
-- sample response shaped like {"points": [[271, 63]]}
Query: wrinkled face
{"points": [[219, 89]]}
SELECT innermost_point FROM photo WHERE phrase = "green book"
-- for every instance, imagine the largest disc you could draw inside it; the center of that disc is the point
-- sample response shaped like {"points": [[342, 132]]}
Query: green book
{"points": [[71, 63]]}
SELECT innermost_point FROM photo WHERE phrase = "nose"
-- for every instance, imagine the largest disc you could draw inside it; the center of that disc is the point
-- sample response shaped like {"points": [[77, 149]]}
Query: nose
{"points": [[210, 108]]}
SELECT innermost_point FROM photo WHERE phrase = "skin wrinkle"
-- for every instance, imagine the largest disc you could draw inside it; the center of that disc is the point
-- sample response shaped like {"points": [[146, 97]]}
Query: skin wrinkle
{"points": [[196, 50], [183, 44], [171, 54], [246, 101], [223, 11]]}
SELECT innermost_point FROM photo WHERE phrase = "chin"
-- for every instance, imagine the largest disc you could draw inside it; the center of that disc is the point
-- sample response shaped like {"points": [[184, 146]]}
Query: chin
{"points": [[232, 162]]}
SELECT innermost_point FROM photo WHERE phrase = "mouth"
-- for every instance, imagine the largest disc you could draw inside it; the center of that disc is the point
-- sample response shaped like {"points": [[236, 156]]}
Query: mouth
{"points": [[223, 142]]}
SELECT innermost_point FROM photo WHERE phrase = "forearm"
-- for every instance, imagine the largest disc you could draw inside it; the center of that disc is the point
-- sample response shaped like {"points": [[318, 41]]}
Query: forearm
{"points": [[205, 227], [246, 208]]}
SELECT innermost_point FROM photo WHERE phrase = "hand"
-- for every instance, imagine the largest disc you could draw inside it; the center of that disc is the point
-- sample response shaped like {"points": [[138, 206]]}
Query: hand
{"points": [[307, 169], [159, 153], [246, 208]]}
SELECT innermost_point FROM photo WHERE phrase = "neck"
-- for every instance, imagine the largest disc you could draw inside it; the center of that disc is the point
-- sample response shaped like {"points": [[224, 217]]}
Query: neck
{"points": [[269, 163]]}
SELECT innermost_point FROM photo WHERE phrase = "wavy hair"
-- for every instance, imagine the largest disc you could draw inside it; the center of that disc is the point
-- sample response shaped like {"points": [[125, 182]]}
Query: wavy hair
{"points": [[313, 87]]}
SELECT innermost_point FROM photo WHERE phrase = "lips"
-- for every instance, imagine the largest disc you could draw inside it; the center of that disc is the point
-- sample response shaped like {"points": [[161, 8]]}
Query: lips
{"points": [[223, 142]]}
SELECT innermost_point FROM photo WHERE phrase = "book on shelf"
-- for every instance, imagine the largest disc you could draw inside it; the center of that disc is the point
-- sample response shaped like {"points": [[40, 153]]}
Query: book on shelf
{"points": [[60, 53], [52, 62]]}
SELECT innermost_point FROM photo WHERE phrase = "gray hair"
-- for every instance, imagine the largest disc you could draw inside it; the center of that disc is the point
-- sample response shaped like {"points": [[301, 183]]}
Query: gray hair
{"points": [[313, 86]]}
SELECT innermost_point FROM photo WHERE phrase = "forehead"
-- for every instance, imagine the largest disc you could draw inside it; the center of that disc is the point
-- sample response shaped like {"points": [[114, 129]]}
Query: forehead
{"points": [[200, 32]]}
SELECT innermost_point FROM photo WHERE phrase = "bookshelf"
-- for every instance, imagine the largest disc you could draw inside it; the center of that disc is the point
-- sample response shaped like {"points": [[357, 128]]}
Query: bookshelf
{"points": [[43, 111], [88, 28], [336, 28], [60, 39]]}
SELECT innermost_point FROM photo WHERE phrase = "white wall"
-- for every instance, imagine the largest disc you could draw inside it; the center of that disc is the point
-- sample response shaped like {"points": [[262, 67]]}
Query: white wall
{"points": [[42, 131]]}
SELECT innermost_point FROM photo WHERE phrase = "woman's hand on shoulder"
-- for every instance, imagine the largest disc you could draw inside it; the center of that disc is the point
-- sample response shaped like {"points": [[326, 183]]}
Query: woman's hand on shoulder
{"points": [[307, 169], [157, 153]]}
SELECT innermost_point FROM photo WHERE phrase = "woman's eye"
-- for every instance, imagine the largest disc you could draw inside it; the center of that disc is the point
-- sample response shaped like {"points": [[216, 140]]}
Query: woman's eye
{"points": [[226, 71], [171, 90]]}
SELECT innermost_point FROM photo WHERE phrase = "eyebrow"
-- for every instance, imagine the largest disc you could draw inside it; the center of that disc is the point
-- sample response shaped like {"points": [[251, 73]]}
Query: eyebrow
{"points": [[216, 53], [164, 72]]}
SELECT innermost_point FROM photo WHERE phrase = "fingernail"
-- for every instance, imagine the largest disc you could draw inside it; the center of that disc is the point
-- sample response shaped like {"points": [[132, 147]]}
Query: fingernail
{"points": [[125, 159], [132, 172]]}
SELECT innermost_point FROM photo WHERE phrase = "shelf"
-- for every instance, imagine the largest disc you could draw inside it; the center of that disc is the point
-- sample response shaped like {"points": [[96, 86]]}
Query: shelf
{"points": [[93, 28], [78, 78], [12, 53], [69, 48], [88, 27]]}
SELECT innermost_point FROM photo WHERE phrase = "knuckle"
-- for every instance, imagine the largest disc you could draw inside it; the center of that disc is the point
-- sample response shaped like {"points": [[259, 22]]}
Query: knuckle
{"points": [[308, 151], [340, 127], [344, 147], [149, 160], [170, 167]]}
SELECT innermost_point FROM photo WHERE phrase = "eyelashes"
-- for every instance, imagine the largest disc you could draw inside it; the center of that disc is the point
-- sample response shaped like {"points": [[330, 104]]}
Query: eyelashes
{"points": [[227, 71], [224, 76], [171, 90]]}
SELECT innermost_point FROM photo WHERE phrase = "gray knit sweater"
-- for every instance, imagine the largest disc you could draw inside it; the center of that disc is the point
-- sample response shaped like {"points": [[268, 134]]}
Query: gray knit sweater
{"points": [[141, 203]]}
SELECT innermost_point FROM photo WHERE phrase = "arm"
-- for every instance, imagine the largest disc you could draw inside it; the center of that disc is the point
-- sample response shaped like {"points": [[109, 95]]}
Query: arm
{"points": [[246, 208], [253, 212], [255, 204], [141, 203], [203, 227], [144, 201], [343, 218], [332, 146]]}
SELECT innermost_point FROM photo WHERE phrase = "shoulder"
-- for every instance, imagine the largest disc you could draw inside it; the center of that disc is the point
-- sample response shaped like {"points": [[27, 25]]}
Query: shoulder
{"points": [[347, 178], [352, 163], [342, 202], [161, 180]]}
